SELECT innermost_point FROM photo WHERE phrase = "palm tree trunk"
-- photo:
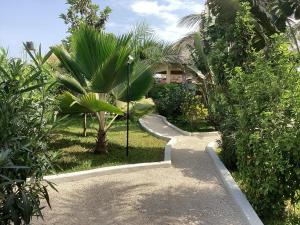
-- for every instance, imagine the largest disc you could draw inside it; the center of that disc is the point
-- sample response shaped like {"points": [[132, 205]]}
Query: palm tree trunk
{"points": [[101, 144]]}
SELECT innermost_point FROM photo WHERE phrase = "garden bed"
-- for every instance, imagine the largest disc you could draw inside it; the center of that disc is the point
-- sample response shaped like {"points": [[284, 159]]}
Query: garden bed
{"points": [[75, 152]]}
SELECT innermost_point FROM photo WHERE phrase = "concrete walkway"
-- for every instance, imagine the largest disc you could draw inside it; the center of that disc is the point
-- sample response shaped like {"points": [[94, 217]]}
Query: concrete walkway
{"points": [[189, 193]]}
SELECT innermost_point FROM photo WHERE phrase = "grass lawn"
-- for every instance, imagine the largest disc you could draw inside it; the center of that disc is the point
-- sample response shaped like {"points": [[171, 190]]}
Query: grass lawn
{"points": [[75, 152]]}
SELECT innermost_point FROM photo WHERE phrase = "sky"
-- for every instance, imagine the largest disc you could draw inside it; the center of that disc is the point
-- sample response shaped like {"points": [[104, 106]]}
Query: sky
{"points": [[38, 20]]}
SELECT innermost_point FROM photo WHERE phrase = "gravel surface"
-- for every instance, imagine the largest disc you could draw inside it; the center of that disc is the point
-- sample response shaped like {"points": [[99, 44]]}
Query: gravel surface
{"points": [[189, 193]]}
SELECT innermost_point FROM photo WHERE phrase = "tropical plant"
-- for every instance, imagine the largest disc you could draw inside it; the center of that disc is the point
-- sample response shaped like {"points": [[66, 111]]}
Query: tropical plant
{"points": [[149, 48], [98, 65], [25, 125]]}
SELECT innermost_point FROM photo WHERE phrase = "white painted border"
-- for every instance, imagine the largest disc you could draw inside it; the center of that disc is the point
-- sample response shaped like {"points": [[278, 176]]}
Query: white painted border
{"points": [[164, 119], [232, 187], [66, 177]]}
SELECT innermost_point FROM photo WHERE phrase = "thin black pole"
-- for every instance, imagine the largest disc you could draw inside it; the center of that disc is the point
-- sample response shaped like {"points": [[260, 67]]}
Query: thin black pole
{"points": [[127, 116]]}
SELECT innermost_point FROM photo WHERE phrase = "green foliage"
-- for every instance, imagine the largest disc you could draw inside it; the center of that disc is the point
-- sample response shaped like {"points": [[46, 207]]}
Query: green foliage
{"points": [[84, 12], [268, 100], [255, 96], [193, 110], [182, 105], [168, 99], [25, 123]]}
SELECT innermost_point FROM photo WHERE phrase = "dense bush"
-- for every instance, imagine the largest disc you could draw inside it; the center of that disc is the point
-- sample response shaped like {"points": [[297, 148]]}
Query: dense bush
{"points": [[268, 137], [193, 110], [24, 121], [182, 105], [168, 98]]}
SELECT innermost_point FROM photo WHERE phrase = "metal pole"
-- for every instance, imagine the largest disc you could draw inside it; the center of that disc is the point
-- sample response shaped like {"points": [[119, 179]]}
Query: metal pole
{"points": [[130, 60], [127, 115]]}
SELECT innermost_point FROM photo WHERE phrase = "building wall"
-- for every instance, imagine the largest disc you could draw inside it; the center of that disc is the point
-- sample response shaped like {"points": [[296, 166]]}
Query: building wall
{"points": [[170, 77]]}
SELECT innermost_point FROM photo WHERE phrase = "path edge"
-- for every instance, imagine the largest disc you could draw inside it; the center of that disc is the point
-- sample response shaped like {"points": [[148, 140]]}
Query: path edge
{"points": [[171, 141], [232, 187], [164, 119]]}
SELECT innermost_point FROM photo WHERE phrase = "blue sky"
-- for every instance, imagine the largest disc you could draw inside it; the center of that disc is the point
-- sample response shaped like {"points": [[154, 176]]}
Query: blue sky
{"points": [[38, 20]]}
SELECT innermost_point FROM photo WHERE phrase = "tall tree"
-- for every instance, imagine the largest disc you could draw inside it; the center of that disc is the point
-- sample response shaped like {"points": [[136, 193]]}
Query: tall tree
{"points": [[84, 12]]}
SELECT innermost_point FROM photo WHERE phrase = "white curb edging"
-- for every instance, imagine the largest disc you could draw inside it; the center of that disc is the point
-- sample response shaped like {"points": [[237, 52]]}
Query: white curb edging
{"points": [[186, 133], [232, 187], [66, 177], [169, 145]]}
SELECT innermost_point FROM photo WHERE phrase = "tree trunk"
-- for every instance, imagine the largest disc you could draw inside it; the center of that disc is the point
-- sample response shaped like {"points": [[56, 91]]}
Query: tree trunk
{"points": [[101, 144]]}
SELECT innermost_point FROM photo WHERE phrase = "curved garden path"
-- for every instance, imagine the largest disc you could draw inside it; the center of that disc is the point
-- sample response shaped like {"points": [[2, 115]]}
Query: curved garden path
{"points": [[189, 192]]}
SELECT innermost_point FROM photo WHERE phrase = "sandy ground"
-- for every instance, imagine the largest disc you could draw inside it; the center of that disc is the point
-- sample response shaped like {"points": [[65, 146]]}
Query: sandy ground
{"points": [[188, 193]]}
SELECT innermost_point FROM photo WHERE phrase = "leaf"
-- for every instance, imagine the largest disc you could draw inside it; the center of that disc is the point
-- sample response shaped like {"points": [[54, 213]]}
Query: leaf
{"points": [[141, 80], [31, 88], [46, 195], [67, 106], [71, 84], [69, 64], [26, 208], [47, 56], [93, 104], [31, 55]]}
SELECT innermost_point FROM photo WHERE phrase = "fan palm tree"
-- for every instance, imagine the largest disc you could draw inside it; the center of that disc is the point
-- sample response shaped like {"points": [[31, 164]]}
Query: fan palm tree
{"points": [[98, 70]]}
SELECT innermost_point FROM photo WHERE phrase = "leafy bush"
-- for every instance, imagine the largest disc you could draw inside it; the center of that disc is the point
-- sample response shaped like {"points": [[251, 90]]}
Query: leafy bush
{"points": [[168, 99], [193, 110], [25, 103], [268, 137]]}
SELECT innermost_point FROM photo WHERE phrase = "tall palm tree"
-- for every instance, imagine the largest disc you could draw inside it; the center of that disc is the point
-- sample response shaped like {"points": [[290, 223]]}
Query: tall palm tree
{"points": [[98, 70]]}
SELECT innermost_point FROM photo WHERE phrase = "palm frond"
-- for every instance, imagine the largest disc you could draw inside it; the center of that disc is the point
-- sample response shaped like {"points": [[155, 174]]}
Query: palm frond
{"points": [[69, 64], [190, 21], [90, 102], [141, 80], [67, 104], [90, 48], [71, 84]]}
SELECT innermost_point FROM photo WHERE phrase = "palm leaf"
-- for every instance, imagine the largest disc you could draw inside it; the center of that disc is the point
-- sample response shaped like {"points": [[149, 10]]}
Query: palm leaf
{"points": [[67, 104], [71, 84], [141, 80], [93, 104], [91, 48], [190, 21], [69, 64]]}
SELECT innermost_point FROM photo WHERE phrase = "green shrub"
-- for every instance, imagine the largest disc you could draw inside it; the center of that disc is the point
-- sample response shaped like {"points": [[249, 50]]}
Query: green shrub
{"points": [[193, 110], [268, 137], [168, 98], [24, 109]]}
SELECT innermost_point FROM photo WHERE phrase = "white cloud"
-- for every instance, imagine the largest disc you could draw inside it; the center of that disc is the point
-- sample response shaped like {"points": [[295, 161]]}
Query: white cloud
{"points": [[166, 10]]}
